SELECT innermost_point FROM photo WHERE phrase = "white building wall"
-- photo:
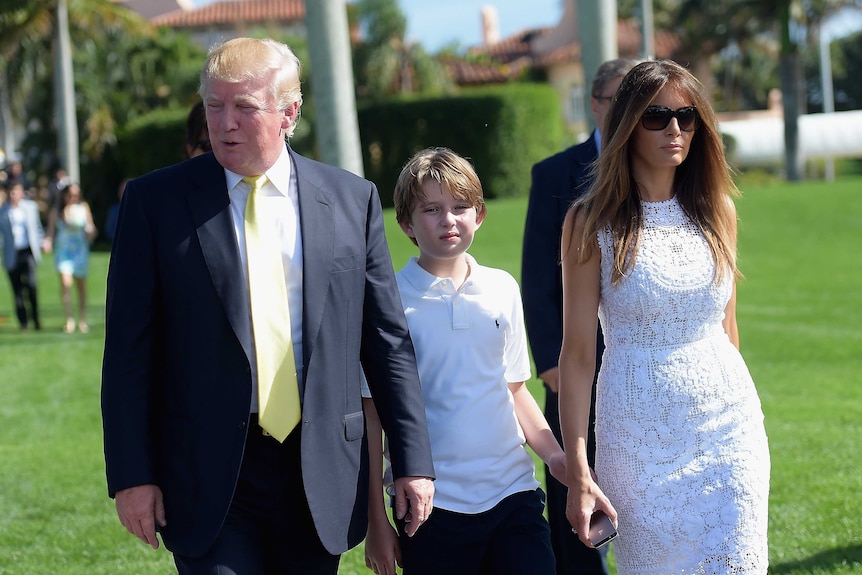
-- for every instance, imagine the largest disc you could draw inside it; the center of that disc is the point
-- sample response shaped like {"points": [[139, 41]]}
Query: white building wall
{"points": [[761, 141]]}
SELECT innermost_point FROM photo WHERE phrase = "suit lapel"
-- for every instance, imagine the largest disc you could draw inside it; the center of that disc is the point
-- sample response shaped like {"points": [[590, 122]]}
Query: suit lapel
{"points": [[210, 207], [317, 228]]}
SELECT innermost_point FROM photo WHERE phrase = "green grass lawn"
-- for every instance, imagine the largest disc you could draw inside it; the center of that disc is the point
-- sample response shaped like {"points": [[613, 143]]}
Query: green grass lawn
{"points": [[800, 317]]}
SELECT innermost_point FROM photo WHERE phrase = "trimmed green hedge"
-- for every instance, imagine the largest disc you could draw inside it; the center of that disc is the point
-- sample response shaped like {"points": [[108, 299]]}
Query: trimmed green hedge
{"points": [[503, 130], [153, 141]]}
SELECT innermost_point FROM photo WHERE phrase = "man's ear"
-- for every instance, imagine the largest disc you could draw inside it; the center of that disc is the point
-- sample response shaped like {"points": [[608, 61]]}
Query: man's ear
{"points": [[290, 115]]}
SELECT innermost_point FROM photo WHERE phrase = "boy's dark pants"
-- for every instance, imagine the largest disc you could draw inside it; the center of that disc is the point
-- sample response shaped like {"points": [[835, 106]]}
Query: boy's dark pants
{"points": [[511, 538]]}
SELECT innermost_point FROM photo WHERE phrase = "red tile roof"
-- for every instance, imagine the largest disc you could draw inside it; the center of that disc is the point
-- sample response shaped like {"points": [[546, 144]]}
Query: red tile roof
{"points": [[248, 11], [511, 56]]}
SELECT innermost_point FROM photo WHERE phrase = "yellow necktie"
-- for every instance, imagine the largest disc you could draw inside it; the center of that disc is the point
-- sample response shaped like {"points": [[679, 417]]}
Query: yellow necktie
{"points": [[277, 388]]}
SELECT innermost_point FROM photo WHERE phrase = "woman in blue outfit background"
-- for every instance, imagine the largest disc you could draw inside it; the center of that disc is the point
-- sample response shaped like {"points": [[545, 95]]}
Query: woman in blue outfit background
{"points": [[70, 233]]}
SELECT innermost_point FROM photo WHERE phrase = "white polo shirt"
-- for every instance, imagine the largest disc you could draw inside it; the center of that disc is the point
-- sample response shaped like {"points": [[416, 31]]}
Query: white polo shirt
{"points": [[470, 343]]}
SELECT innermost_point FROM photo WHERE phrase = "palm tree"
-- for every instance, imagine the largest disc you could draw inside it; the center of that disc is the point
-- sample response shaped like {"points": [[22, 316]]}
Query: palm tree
{"points": [[709, 26], [25, 24], [385, 63]]}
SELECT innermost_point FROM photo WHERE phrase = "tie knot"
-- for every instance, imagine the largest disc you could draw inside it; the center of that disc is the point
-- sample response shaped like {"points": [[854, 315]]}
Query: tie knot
{"points": [[256, 182]]}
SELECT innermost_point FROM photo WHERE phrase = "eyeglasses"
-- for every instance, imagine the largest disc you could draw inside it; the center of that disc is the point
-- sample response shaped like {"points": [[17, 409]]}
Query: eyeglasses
{"points": [[658, 117]]}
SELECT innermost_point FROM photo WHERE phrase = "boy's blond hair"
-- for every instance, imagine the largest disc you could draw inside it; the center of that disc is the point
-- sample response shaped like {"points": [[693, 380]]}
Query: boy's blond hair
{"points": [[454, 173]]}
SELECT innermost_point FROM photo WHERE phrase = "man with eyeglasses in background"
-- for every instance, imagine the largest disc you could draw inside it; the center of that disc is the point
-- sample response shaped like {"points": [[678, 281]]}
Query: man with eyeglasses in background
{"points": [[556, 182]]}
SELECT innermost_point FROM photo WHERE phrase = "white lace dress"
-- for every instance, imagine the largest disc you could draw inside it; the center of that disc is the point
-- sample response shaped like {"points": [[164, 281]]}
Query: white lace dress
{"points": [[681, 448]]}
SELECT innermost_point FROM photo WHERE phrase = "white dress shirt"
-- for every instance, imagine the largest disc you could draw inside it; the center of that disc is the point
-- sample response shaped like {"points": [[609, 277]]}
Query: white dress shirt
{"points": [[279, 196]]}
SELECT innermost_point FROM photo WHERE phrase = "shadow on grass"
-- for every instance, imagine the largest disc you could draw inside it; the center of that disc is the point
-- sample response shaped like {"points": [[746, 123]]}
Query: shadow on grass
{"points": [[825, 561]]}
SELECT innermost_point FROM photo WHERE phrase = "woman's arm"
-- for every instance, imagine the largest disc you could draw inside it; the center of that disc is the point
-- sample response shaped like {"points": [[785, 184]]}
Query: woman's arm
{"points": [[581, 292], [90, 228], [48, 240], [729, 321]]}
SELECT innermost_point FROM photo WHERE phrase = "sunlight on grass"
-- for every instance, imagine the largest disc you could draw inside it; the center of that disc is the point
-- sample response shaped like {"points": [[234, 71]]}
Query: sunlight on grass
{"points": [[800, 317]]}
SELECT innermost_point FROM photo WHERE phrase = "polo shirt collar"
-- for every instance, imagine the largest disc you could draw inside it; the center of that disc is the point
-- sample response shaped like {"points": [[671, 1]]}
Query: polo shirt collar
{"points": [[423, 281]]}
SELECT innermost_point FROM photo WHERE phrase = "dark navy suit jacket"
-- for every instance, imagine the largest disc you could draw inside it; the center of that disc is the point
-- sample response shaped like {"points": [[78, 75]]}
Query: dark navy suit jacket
{"points": [[557, 182], [176, 380]]}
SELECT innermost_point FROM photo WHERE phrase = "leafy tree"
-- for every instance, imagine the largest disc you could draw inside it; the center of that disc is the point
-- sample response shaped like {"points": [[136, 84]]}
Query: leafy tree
{"points": [[710, 26], [44, 23], [846, 71], [386, 64], [124, 68]]}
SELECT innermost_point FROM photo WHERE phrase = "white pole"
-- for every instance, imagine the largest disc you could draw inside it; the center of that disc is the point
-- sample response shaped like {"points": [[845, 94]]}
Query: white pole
{"points": [[647, 30], [64, 94], [597, 30]]}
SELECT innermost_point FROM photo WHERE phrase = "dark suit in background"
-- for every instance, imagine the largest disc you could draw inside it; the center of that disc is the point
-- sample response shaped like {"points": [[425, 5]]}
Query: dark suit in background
{"points": [[179, 350]]}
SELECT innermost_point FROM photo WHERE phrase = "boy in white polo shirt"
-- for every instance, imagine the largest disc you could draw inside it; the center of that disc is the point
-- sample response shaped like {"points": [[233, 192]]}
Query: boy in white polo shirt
{"points": [[467, 326]]}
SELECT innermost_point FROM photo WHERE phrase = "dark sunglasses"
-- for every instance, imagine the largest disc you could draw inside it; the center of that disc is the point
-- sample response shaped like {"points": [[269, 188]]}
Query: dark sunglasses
{"points": [[658, 117]]}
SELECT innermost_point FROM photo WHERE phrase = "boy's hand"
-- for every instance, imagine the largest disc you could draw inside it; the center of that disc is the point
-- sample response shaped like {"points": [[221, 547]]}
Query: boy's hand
{"points": [[557, 466], [414, 500], [382, 551]]}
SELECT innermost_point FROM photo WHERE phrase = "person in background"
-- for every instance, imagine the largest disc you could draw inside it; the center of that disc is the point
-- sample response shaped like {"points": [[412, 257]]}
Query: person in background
{"points": [[467, 325], [197, 137], [556, 182], [15, 173], [248, 289], [70, 233], [682, 460], [21, 236], [54, 193]]}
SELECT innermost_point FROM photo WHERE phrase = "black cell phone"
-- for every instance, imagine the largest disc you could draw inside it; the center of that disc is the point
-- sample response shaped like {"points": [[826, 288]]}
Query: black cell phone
{"points": [[602, 530]]}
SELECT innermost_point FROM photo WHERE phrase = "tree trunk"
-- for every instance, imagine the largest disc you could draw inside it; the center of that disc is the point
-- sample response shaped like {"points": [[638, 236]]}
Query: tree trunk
{"points": [[788, 70], [7, 125], [64, 94], [337, 126]]}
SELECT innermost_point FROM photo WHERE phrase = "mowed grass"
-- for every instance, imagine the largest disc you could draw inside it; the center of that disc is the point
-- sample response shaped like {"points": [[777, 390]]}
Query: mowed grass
{"points": [[800, 316]]}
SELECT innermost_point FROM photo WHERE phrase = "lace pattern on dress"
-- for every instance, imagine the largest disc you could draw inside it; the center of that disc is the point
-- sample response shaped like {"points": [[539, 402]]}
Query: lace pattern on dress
{"points": [[681, 448]]}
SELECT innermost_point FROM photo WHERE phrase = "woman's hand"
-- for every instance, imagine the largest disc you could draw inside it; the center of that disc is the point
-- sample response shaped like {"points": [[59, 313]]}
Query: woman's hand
{"points": [[582, 502]]}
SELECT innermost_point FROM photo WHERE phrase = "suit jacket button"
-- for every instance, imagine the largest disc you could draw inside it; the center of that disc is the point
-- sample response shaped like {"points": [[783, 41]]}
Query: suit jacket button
{"points": [[241, 425]]}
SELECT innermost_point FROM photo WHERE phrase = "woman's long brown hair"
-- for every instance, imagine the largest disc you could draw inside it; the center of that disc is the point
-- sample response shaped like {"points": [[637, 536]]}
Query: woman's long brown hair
{"points": [[702, 183]]}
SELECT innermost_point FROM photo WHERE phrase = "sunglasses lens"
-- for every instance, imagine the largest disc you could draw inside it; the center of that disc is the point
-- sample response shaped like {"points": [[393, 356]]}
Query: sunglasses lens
{"points": [[656, 119], [687, 118]]}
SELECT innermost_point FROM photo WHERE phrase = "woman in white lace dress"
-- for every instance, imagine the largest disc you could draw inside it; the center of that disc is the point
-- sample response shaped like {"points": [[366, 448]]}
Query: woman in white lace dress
{"points": [[682, 462]]}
